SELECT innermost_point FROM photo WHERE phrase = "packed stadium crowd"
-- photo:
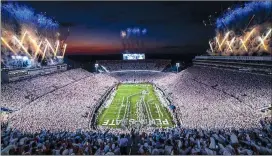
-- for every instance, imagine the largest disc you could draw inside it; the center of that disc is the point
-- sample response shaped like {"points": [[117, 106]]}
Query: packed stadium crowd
{"points": [[221, 98], [138, 76], [178, 141], [220, 102], [117, 65], [15, 95], [49, 111], [219, 110], [65, 108]]}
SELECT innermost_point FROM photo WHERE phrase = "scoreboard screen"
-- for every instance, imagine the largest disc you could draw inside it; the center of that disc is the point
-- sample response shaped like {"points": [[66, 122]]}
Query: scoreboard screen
{"points": [[133, 56]]}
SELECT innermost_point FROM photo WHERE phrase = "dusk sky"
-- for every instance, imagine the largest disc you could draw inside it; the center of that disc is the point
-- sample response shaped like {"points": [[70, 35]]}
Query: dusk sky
{"points": [[95, 26]]}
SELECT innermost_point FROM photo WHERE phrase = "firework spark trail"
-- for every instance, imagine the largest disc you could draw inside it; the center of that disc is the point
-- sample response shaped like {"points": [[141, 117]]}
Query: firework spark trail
{"points": [[222, 43], [236, 18], [56, 48], [230, 43], [243, 44], [4, 41], [249, 35], [262, 43], [65, 45], [44, 51], [52, 49], [22, 46], [30, 23], [249, 10], [211, 46], [23, 37], [262, 40], [38, 49], [218, 43], [226, 36]]}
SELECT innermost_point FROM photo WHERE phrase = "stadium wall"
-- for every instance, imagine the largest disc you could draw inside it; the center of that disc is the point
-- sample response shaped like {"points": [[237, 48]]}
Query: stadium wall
{"points": [[239, 58], [16, 75], [252, 64]]}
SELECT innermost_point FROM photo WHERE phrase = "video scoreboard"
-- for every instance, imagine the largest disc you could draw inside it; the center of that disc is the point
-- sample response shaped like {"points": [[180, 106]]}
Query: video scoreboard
{"points": [[133, 56]]}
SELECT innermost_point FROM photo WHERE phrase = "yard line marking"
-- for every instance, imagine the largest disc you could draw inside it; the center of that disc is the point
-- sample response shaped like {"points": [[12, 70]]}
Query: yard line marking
{"points": [[125, 108], [137, 103], [148, 111], [158, 110], [158, 107], [120, 109], [142, 102]]}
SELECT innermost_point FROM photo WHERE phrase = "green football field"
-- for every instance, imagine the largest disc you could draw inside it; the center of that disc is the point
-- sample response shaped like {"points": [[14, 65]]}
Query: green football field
{"points": [[133, 104]]}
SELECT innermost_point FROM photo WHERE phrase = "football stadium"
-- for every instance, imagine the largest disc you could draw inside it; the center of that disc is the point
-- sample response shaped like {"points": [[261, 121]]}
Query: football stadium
{"points": [[138, 78], [136, 103]]}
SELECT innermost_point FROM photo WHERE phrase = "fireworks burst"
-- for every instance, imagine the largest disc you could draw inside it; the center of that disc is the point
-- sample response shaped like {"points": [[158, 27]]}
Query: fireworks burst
{"points": [[244, 30], [30, 33]]}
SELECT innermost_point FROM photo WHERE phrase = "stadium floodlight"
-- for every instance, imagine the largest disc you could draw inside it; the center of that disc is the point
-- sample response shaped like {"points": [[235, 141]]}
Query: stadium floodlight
{"points": [[96, 66], [177, 65]]}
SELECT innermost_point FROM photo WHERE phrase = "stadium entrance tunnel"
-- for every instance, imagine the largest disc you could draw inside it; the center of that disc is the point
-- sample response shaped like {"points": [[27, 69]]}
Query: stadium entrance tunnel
{"points": [[134, 105]]}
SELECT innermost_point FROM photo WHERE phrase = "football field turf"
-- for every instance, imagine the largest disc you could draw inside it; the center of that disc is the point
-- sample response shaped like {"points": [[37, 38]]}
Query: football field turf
{"points": [[135, 103]]}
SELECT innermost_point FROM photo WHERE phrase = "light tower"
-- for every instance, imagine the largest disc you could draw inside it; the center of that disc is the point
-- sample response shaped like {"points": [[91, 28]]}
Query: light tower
{"points": [[177, 65], [96, 66]]}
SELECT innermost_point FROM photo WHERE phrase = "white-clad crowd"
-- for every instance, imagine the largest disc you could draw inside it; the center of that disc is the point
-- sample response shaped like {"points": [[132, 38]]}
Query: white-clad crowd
{"points": [[177, 141], [216, 98], [138, 76], [117, 65], [219, 98], [18, 94], [67, 108], [219, 112]]}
